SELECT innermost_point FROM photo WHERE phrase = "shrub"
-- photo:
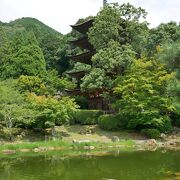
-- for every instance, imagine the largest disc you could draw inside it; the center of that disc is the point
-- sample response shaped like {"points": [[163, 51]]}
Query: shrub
{"points": [[82, 102], [126, 121], [9, 133], [1, 118], [151, 133], [109, 122], [166, 126], [176, 119], [52, 111], [87, 117]]}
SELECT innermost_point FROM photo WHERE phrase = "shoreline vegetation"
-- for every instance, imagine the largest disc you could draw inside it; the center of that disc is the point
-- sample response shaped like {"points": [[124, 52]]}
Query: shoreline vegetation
{"points": [[89, 147], [79, 139]]}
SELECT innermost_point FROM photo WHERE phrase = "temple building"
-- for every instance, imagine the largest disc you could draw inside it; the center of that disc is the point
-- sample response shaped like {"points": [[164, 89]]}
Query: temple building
{"points": [[94, 98]]}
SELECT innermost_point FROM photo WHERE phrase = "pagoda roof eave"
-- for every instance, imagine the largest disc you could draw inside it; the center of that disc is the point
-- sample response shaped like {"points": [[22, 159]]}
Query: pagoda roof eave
{"points": [[95, 93], [78, 74], [83, 58], [74, 92], [82, 43], [83, 27]]}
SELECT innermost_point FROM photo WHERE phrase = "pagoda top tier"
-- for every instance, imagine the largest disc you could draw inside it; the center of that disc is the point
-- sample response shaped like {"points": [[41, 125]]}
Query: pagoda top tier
{"points": [[83, 27]]}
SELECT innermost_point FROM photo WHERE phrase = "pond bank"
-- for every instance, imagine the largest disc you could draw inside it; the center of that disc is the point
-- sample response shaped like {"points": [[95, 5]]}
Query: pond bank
{"points": [[88, 138], [37, 147], [11, 148]]}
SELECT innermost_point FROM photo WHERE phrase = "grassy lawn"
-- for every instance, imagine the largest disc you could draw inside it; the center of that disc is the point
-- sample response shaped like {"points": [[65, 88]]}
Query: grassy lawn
{"points": [[78, 132]]}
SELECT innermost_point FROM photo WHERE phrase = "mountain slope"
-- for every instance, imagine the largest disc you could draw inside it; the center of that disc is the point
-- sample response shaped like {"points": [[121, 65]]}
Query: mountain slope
{"points": [[49, 39]]}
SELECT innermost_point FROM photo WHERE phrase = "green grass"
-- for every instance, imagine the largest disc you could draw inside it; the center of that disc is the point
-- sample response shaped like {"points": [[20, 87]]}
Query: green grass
{"points": [[63, 144], [34, 145]]}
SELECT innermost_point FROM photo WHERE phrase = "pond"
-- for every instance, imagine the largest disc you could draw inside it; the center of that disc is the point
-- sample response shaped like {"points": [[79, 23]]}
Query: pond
{"points": [[139, 165]]}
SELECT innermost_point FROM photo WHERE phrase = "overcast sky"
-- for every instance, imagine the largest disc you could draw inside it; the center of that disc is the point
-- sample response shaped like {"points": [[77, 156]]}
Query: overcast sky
{"points": [[59, 14]]}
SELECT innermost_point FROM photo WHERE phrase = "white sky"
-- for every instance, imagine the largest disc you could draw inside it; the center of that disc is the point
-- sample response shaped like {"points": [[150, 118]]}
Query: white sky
{"points": [[59, 14]]}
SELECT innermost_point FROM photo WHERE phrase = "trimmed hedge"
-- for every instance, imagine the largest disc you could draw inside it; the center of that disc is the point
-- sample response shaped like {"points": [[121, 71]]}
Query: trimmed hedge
{"points": [[151, 133], [109, 122], [87, 117]]}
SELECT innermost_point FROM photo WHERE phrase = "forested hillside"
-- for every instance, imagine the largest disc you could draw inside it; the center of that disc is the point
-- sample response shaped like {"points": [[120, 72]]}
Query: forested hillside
{"points": [[51, 42]]}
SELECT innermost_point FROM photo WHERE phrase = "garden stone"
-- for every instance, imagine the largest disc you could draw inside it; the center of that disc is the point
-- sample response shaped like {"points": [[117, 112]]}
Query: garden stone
{"points": [[151, 142], [163, 136], [115, 139]]}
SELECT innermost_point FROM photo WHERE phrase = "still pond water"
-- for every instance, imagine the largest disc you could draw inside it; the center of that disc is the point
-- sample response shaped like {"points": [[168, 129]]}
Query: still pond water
{"points": [[146, 165]]}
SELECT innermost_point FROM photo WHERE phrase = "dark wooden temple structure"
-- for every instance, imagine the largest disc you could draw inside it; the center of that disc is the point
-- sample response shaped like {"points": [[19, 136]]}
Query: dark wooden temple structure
{"points": [[95, 100]]}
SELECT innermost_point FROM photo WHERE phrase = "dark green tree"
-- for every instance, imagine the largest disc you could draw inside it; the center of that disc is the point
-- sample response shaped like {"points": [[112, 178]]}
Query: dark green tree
{"points": [[118, 23], [164, 33], [169, 55], [25, 57]]}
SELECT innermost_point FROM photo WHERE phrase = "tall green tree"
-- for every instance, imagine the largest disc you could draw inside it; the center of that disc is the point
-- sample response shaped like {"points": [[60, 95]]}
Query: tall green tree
{"points": [[164, 33], [142, 97], [169, 55], [5, 52], [113, 36], [116, 23]]}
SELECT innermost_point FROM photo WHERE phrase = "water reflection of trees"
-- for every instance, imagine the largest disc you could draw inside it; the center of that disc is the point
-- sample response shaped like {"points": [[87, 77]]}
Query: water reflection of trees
{"points": [[129, 165]]}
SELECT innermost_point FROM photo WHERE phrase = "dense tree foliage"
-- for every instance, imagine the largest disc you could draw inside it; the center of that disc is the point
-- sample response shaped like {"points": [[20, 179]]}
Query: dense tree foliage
{"points": [[51, 111], [164, 33], [50, 42], [24, 57], [118, 23], [96, 79], [13, 106], [113, 57], [143, 100], [170, 56], [118, 37]]}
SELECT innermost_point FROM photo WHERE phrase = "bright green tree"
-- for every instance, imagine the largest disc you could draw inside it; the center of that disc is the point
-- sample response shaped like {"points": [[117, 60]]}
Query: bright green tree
{"points": [[29, 60], [5, 52], [13, 106], [96, 79], [142, 97], [51, 111]]}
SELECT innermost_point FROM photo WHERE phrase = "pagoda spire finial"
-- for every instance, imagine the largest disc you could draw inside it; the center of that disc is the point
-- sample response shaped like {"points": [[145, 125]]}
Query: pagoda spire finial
{"points": [[104, 3]]}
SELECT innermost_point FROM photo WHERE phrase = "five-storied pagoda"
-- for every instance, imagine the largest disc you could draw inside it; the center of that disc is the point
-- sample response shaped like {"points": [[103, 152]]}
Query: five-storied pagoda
{"points": [[95, 100]]}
